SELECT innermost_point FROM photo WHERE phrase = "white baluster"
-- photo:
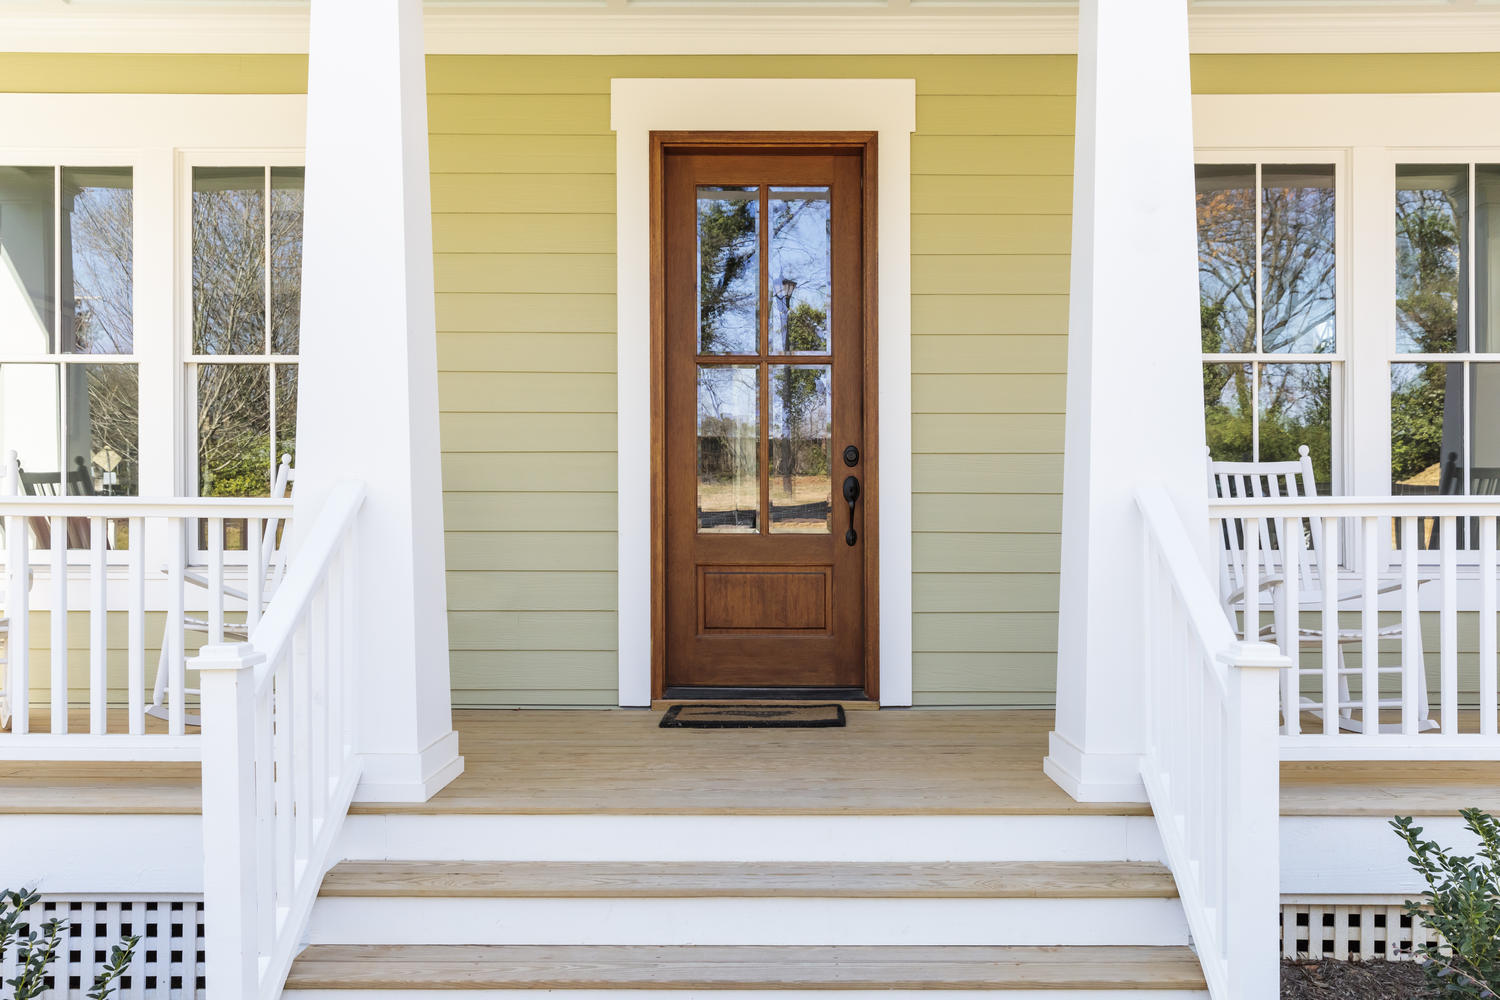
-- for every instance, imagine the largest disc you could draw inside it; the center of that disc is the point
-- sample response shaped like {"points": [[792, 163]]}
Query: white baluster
{"points": [[216, 579], [18, 610], [136, 626], [57, 655], [98, 630], [1251, 631], [255, 580], [1487, 693], [1413, 670], [1289, 639], [1369, 650], [174, 638], [1332, 707], [1448, 640]]}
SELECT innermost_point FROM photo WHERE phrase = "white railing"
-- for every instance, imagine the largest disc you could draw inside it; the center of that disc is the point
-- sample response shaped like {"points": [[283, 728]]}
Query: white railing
{"points": [[1363, 653], [118, 565], [279, 767], [1211, 766]]}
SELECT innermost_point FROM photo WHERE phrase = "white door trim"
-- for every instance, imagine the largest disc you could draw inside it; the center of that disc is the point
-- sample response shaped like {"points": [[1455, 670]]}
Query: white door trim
{"points": [[639, 107]]}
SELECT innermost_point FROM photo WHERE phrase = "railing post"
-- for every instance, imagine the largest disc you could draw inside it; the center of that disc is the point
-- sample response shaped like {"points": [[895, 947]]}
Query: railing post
{"points": [[232, 883], [1252, 823]]}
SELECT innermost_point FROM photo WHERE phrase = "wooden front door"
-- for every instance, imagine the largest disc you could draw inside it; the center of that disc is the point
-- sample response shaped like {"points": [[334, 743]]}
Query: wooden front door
{"points": [[767, 538]]}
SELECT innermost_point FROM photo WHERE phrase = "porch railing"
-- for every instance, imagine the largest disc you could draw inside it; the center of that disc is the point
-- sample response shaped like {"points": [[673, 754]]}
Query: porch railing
{"points": [[1389, 608], [1211, 767], [119, 568], [279, 768]]}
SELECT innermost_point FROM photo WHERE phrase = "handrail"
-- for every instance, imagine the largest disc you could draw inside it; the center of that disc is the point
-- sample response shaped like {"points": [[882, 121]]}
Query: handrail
{"points": [[1211, 767], [117, 508], [1444, 506]]}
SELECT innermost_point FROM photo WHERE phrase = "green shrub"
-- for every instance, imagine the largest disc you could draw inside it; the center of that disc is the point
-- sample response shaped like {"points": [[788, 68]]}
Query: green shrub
{"points": [[1462, 905], [37, 949]]}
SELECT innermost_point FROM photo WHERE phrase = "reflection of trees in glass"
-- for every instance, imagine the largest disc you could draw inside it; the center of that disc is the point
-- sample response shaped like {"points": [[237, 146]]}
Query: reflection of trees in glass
{"points": [[728, 273], [800, 396], [800, 245], [1297, 260], [114, 426], [101, 227], [234, 441], [1226, 264]]}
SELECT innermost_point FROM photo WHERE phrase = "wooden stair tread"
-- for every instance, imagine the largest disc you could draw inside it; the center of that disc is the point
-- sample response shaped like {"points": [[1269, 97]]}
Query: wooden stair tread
{"points": [[573, 967], [527, 879]]}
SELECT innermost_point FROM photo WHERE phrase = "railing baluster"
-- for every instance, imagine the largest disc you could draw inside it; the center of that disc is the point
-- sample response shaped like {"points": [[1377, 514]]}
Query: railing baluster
{"points": [[174, 638], [1413, 670], [1448, 639], [98, 630], [1487, 693], [1369, 649], [1251, 631], [57, 655], [17, 608], [1290, 637], [301, 725], [255, 579], [282, 715], [135, 627], [216, 580], [1332, 707]]}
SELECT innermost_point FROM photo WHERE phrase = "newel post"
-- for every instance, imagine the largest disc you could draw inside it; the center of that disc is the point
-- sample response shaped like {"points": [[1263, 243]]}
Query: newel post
{"points": [[1252, 820], [232, 884]]}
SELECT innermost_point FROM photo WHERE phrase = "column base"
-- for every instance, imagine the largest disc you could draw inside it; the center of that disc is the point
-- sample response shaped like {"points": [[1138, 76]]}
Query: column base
{"points": [[410, 777], [1093, 777]]}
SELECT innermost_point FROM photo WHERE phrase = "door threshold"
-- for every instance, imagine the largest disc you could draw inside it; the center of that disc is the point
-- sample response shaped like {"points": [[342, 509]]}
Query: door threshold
{"points": [[850, 698]]}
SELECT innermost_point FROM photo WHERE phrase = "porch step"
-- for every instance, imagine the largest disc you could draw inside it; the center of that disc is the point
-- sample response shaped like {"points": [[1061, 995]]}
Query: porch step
{"points": [[510, 967], [613, 880]]}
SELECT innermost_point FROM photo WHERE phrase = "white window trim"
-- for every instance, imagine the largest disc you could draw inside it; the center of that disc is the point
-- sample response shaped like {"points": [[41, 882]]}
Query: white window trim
{"points": [[156, 135], [637, 108]]}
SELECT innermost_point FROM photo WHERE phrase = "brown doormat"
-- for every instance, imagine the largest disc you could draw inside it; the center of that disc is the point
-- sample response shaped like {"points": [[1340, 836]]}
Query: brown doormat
{"points": [[753, 717]]}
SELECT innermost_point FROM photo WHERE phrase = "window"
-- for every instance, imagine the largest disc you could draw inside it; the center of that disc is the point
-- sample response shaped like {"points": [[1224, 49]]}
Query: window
{"points": [[1445, 369], [1268, 285], [69, 379], [246, 301]]}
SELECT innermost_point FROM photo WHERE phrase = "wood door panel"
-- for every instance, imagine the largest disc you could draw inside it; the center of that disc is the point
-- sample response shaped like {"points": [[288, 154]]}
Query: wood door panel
{"points": [[764, 379]]}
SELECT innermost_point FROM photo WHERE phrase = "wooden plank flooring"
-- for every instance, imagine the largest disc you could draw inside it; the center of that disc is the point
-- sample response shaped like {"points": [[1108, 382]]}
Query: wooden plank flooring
{"points": [[661, 880], [584, 967], [886, 762]]}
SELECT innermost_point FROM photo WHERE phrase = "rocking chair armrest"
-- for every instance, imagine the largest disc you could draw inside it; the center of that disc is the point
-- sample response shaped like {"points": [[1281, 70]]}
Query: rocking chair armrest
{"points": [[1266, 583], [199, 580]]}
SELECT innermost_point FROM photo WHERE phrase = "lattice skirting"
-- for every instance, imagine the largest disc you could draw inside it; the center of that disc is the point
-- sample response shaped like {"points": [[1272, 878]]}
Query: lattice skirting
{"points": [[168, 962], [1352, 928]]}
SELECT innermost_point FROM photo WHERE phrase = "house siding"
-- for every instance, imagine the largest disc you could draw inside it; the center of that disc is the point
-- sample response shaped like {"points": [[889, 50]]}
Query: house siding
{"points": [[523, 195]]}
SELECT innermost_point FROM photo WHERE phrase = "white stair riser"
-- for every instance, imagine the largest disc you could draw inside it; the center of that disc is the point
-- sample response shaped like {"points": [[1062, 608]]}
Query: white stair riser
{"points": [[749, 838], [749, 994], [748, 921]]}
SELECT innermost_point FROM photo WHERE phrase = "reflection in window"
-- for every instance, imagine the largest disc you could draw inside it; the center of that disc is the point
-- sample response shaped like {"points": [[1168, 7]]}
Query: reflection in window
{"points": [[1432, 235], [66, 298], [800, 269], [728, 270], [801, 449], [1267, 283], [728, 448]]}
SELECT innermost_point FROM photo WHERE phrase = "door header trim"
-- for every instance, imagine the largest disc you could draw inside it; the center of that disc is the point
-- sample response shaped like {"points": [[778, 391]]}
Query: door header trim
{"points": [[639, 107]]}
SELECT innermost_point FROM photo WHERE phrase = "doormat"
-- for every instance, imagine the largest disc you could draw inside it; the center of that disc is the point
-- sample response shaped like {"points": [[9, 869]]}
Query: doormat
{"points": [[753, 717]]}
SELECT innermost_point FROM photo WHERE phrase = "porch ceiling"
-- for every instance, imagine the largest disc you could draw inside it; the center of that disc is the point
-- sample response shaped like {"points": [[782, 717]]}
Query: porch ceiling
{"points": [[750, 26]]}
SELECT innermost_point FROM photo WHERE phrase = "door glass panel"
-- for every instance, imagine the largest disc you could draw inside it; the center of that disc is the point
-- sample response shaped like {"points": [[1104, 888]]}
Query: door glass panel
{"points": [[1226, 257], [728, 448], [801, 449], [1432, 234], [801, 268], [728, 270], [1297, 259]]}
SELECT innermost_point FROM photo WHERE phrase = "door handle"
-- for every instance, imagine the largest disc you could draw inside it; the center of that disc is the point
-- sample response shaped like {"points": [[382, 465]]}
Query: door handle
{"points": [[851, 497]]}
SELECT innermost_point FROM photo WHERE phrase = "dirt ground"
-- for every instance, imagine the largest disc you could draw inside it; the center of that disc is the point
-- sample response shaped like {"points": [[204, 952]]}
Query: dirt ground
{"points": [[1351, 981]]}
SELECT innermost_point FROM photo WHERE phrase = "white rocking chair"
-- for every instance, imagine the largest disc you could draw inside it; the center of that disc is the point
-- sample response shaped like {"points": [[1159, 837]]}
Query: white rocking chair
{"points": [[273, 557], [1295, 479]]}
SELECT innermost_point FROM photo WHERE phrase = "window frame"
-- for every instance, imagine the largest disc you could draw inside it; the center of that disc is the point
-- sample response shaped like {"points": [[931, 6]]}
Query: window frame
{"points": [[1261, 156]]}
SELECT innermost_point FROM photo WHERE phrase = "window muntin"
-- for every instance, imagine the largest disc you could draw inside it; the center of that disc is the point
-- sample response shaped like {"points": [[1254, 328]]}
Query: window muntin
{"points": [[69, 382], [1268, 287]]}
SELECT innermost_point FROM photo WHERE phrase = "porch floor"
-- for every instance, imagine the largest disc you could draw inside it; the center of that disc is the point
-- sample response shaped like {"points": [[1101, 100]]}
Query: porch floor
{"points": [[892, 762]]}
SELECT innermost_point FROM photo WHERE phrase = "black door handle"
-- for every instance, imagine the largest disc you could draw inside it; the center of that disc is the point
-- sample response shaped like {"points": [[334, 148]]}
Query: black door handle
{"points": [[851, 497]]}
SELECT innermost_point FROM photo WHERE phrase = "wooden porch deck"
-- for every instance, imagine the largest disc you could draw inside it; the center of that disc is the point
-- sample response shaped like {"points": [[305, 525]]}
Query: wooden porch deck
{"points": [[892, 762]]}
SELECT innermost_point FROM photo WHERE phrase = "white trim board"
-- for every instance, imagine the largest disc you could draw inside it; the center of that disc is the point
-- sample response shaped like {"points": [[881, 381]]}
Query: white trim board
{"points": [[616, 27], [639, 107]]}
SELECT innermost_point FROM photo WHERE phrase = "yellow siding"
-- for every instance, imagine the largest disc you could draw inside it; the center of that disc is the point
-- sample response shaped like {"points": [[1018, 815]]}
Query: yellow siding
{"points": [[524, 231]]}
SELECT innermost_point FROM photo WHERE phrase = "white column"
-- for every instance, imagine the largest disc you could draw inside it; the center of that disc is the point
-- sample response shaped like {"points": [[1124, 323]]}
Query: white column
{"points": [[1135, 399], [368, 399]]}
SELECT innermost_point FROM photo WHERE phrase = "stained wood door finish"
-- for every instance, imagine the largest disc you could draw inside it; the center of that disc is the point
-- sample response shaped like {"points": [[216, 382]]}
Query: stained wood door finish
{"points": [[763, 337]]}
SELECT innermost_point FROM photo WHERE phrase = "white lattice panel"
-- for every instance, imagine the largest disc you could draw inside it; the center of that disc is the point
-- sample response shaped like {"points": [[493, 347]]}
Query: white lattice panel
{"points": [[1362, 930], [168, 963]]}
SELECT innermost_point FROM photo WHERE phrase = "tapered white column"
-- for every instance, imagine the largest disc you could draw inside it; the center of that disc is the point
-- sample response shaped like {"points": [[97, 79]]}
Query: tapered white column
{"points": [[1135, 398], [368, 403]]}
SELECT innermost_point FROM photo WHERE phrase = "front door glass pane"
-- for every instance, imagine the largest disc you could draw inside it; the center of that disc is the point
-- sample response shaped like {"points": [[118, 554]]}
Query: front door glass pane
{"points": [[800, 270], [1432, 235], [801, 451], [728, 270], [1297, 259], [728, 448]]}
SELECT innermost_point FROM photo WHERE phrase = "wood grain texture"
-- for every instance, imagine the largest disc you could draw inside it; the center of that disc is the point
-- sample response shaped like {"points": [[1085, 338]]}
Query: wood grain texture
{"points": [[658, 880], [751, 968]]}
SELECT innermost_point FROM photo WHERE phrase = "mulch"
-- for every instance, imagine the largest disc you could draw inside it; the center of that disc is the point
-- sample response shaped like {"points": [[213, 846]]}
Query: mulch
{"points": [[1330, 980]]}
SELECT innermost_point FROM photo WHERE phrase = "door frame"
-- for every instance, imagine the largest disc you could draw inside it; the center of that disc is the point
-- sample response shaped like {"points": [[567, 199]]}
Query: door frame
{"points": [[865, 143], [885, 107]]}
